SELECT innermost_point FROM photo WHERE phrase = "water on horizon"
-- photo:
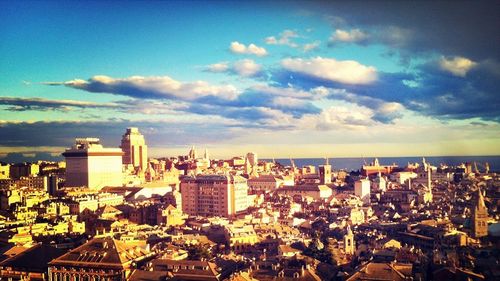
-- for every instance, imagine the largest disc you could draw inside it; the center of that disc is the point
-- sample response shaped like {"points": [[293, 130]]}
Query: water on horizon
{"points": [[352, 164]]}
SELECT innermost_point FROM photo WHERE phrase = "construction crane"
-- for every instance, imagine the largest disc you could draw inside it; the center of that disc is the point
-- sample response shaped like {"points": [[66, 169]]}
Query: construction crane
{"points": [[486, 167]]}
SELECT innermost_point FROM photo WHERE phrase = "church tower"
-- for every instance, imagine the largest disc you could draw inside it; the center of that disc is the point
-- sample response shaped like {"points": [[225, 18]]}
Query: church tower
{"points": [[325, 173], [479, 216], [349, 243]]}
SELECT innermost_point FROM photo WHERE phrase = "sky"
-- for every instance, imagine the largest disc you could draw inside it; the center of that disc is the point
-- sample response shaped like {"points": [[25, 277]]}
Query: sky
{"points": [[283, 79]]}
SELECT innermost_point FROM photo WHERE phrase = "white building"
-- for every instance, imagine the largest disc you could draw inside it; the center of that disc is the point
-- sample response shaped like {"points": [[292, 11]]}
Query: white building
{"points": [[91, 165], [362, 190], [135, 150]]}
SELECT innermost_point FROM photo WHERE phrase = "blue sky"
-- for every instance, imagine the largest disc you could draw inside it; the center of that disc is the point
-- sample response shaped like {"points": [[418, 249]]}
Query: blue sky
{"points": [[300, 79]]}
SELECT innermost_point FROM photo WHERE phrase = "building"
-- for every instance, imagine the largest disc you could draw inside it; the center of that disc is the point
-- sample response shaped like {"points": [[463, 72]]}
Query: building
{"points": [[325, 173], [135, 150], [4, 171], [349, 243], [214, 195], [240, 238], [315, 191], [170, 216], [91, 165], [99, 259], [264, 184], [24, 170], [362, 190], [479, 216], [30, 264]]}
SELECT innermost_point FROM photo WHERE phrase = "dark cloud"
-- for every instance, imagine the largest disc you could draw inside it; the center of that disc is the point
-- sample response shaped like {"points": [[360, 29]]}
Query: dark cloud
{"points": [[63, 133], [451, 28], [40, 104], [429, 91], [30, 156]]}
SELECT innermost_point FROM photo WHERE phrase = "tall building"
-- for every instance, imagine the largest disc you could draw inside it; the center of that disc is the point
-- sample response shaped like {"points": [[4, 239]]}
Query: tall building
{"points": [[214, 195], [362, 190], [479, 216], [135, 150], [325, 173], [91, 165]]}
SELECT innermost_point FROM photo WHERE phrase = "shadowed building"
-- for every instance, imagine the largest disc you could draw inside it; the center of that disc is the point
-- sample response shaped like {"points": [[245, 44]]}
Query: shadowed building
{"points": [[30, 264], [479, 217], [99, 259]]}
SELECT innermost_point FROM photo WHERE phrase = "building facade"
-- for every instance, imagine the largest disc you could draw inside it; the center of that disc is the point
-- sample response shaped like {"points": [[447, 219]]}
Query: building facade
{"points": [[91, 165], [135, 150], [214, 195]]}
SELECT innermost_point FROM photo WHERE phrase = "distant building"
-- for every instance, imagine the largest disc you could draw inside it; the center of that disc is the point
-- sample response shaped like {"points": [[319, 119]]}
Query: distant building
{"points": [[135, 150], [17, 171], [349, 243], [362, 190], [325, 173], [214, 195], [91, 165], [479, 216]]}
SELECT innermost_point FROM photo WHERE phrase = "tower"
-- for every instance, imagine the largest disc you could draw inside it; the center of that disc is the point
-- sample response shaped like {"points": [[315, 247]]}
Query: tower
{"points": [[325, 173], [362, 190], [192, 153], [349, 243], [479, 216], [135, 149]]}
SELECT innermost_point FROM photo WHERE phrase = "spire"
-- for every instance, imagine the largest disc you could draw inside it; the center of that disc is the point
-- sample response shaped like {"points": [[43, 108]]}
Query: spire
{"points": [[480, 199], [349, 231], [376, 164], [326, 161], [206, 153]]}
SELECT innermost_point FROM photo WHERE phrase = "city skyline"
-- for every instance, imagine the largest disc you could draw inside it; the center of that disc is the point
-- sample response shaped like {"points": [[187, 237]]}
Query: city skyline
{"points": [[284, 79]]}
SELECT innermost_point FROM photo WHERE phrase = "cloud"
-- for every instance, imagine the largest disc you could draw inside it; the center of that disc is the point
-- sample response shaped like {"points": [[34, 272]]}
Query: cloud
{"points": [[153, 87], [311, 46], [157, 132], [40, 104], [347, 72], [243, 68], [458, 66], [218, 67], [284, 38], [348, 36], [252, 49]]}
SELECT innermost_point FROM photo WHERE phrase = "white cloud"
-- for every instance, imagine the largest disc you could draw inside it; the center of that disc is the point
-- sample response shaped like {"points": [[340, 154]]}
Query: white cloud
{"points": [[152, 87], [352, 36], [347, 72], [246, 68], [283, 39], [311, 46], [218, 67], [252, 49], [458, 66]]}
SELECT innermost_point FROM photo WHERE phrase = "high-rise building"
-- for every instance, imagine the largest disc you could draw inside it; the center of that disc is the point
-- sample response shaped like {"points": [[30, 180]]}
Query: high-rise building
{"points": [[325, 173], [91, 165], [479, 216], [135, 150], [362, 190], [214, 195]]}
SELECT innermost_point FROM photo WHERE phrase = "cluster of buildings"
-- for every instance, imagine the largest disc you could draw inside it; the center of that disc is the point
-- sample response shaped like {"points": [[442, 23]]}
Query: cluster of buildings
{"points": [[117, 214]]}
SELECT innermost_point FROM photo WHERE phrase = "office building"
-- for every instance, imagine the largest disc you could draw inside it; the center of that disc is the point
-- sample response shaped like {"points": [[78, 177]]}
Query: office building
{"points": [[214, 195], [135, 150], [91, 165]]}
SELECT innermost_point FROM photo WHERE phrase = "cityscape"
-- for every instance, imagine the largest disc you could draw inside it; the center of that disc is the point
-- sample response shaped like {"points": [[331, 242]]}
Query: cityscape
{"points": [[249, 140]]}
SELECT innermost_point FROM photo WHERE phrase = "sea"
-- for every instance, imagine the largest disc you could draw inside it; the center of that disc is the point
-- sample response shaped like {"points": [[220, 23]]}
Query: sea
{"points": [[353, 164]]}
